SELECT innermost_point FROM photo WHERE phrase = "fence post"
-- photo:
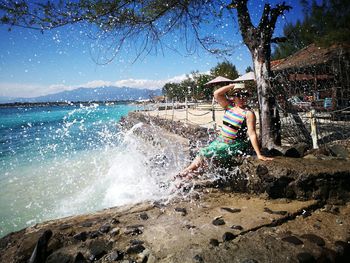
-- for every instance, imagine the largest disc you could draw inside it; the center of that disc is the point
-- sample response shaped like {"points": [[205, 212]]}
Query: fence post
{"points": [[186, 106], [166, 106], [157, 105], [213, 112], [313, 134], [172, 117]]}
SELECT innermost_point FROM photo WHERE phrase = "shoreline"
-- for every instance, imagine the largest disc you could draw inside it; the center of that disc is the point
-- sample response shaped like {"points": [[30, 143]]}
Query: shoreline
{"points": [[65, 103]]}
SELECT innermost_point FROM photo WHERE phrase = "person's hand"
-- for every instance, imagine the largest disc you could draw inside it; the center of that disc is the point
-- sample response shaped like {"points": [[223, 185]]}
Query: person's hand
{"points": [[264, 158]]}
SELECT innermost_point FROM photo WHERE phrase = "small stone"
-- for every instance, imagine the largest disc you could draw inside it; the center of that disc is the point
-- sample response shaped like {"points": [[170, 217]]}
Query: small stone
{"points": [[228, 236], [314, 239], [134, 230], [116, 255], [79, 258], [249, 261], [334, 210], [317, 226], [94, 234], [327, 255], [190, 226], [339, 151], [114, 221], [86, 224], [262, 170], [81, 236], [305, 258], [342, 247], [141, 258], [306, 213], [115, 231], [231, 210], [144, 216], [135, 249], [105, 228], [339, 221], [183, 211], [158, 204], [268, 210], [218, 222], [237, 227], [58, 257], [326, 208], [310, 156], [98, 249], [39, 253], [214, 242], [136, 242], [293, 239], [64, 226], [198, 258]]}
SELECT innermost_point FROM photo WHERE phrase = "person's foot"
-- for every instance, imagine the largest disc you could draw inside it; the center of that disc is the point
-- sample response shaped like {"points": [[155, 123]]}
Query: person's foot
{"points": [[181, 175]]}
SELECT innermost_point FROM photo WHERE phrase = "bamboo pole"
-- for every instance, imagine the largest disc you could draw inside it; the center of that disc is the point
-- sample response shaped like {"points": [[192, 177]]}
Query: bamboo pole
{"points": [[186, 106], [313, 129], [172, 117], [213, 113]]}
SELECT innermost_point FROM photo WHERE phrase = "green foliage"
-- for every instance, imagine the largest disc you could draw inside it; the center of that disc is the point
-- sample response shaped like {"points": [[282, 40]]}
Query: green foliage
{"points": [[194, 88], [248, 69], [225, 69], [325, 24], [171, 90], [202, 91]]}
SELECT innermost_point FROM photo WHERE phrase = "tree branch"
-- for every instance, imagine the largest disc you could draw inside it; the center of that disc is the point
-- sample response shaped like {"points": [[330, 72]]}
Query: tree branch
{"points": [[278, 40], [274, 14], [264, 20], [245, 23]]}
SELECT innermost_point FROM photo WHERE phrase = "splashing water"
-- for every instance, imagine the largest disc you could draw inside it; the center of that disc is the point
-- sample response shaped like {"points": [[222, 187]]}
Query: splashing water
{"points": [[61, 161]]}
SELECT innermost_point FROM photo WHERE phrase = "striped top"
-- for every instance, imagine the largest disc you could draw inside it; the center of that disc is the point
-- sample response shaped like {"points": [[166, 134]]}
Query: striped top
{"points": [[234, 125]]}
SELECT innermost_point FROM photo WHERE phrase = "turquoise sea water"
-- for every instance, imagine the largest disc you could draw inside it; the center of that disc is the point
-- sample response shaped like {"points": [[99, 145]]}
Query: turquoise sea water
{"points": [[61, 161]]}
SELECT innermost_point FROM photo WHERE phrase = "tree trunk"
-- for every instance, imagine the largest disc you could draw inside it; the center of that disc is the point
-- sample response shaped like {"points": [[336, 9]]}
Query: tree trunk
{"points": [[268, 113]]}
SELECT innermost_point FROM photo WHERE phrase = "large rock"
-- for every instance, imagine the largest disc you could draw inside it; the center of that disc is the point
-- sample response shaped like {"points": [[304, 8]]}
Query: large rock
{"points": [[266, 235], [293, 178], [296, 178]]}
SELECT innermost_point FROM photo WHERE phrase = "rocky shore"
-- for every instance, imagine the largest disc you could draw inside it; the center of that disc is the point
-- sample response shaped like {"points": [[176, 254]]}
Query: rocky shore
{"points": [[287, 210]]}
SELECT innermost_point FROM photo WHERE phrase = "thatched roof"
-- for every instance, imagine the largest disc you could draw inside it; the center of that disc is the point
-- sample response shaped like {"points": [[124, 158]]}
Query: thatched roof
{"points": [[218, 80], [310, 56], [245, 77]]}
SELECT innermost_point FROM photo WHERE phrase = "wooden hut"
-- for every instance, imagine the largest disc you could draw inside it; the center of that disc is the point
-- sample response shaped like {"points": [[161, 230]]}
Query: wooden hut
{"points": [[317, 75]]}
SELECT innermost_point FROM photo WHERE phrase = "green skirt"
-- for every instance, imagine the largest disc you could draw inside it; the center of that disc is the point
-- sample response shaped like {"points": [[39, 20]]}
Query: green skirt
{"points": [[221, 151]]}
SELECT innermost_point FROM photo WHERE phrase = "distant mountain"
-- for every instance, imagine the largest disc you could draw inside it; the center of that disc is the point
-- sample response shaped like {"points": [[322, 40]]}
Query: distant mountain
{"points": [[4, 99], [91, 94]]}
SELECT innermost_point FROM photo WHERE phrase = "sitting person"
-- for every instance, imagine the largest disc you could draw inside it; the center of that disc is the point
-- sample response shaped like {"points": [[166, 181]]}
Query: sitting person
{"points": [[238, 121]]}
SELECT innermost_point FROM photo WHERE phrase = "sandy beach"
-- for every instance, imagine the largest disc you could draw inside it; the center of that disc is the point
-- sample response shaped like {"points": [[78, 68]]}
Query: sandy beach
{"points": [[202, 115]]}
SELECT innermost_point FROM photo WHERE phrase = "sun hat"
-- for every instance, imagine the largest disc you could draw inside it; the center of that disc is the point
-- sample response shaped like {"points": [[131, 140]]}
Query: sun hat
{"points": [[238, 88]]}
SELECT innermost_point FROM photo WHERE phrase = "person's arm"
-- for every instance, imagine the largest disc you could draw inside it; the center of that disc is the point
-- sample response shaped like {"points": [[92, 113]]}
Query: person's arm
{"points": [[251, 123], [219, 95]]}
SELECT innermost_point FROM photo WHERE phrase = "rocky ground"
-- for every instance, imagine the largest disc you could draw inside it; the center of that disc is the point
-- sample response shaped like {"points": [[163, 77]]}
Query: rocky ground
{"points": [[287, 210], [207, 226]]}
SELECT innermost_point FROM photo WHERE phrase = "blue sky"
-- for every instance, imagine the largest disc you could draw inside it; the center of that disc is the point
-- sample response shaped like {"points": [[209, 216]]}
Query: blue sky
{"points": [[33, 64]]}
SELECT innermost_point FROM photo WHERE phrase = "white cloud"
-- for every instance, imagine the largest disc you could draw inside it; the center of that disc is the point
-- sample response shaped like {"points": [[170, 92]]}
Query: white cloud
{"points": [[21, 90], [35, 90], [95, 84]]}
